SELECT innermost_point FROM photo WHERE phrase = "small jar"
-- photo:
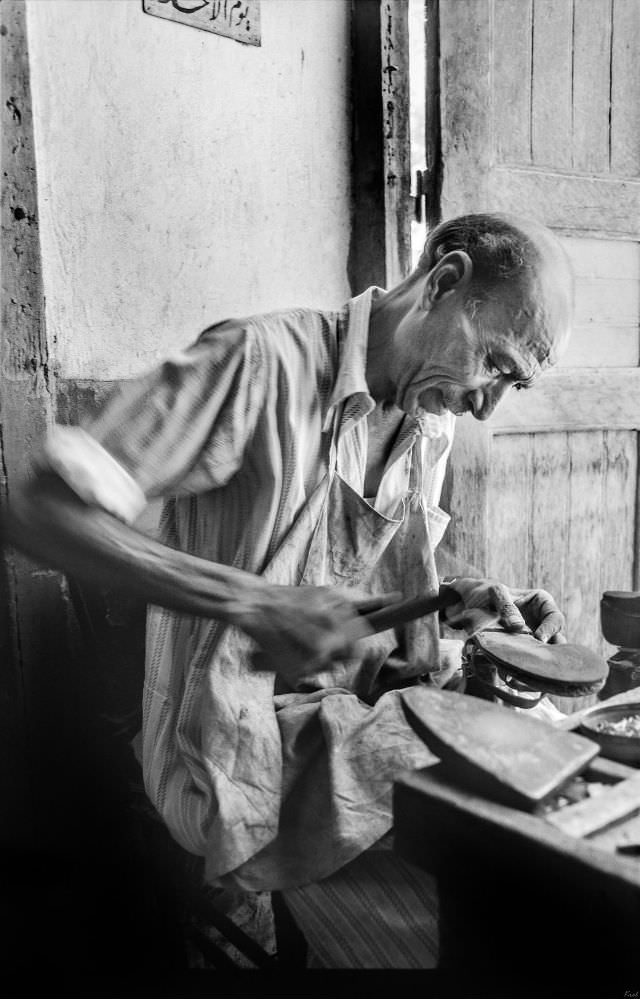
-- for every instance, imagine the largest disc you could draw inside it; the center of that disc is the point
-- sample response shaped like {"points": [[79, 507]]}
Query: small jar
{"points": [[620, 623]]}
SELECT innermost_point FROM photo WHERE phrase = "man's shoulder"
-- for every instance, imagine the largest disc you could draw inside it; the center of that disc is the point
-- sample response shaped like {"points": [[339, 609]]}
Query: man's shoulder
{"points": [[301, 329]]}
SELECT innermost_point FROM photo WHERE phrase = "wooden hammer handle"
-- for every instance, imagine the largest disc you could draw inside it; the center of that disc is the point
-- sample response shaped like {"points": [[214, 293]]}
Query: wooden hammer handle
{"points": [[409, 610]]}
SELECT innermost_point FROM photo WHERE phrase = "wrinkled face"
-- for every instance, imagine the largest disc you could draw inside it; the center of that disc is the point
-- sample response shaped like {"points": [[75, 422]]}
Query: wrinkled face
{"points": [[454, 359]]}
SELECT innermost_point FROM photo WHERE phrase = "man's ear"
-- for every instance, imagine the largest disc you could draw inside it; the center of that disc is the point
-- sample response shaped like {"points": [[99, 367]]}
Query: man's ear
{"points": [[452, 271]]}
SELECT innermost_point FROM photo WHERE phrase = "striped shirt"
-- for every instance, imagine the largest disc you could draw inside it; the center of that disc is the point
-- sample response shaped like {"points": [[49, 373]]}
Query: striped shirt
{"points": [[234, 433]]}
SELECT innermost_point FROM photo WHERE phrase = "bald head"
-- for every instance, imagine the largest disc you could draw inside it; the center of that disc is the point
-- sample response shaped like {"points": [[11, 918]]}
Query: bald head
{"points": [[518, 262]]}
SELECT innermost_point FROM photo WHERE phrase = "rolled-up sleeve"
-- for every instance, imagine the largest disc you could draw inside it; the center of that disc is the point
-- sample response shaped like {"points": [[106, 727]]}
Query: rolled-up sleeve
{"points": [[182, 428]]}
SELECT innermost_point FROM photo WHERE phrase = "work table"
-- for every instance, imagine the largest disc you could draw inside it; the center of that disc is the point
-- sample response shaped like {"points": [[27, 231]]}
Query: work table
{"points": [[516, 887]]}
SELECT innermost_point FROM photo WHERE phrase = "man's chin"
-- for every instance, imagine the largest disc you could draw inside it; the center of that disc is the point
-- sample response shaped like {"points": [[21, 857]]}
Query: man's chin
{"points": [[432, 401]]}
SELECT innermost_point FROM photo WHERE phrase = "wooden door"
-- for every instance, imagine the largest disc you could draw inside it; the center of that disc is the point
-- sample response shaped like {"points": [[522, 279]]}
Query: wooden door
{"points": [[540, 115]]}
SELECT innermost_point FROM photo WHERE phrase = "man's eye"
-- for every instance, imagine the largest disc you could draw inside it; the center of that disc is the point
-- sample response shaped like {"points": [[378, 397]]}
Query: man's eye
{"points": [[493, 369]]}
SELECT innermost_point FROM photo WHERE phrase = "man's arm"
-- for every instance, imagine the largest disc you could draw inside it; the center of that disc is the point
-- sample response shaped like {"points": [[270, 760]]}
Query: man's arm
{"points": [[48, 522]]}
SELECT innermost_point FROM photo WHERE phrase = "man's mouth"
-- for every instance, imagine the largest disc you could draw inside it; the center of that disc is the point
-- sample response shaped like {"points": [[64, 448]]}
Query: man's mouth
{"points": [[460, 410], [455, 406], [435, 400]]}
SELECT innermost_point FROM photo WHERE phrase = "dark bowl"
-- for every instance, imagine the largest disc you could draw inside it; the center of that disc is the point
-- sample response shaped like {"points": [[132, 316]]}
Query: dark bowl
{"points": [[620, 618], [624, 748]]}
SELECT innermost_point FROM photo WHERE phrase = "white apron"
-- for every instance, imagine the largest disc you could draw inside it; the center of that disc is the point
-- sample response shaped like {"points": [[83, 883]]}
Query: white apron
{"points": [[343, 736]]}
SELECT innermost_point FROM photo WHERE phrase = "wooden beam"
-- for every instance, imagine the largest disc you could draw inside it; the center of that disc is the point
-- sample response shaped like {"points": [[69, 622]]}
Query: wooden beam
{"points": [[573, 399], [604, 206]]}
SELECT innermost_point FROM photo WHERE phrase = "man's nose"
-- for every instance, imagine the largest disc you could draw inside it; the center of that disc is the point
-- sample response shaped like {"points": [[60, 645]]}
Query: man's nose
{"points": [[485, 400]]}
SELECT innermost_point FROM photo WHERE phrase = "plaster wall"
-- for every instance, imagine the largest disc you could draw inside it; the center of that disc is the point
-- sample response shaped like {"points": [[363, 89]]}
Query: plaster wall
{"points": [[184, 177]]}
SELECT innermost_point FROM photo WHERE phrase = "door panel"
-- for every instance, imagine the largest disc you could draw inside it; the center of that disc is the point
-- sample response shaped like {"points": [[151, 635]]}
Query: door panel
{"points": [[551, 93], [592, 36], [625, 89], [540, 115], [607, 277]]}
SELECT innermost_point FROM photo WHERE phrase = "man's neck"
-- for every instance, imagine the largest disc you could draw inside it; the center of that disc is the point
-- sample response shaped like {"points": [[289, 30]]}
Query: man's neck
{"points": [[387, 312], [383, 425]]}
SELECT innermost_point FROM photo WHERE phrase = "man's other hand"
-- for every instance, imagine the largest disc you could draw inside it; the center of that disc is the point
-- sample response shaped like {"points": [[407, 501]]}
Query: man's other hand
{"points": [[515, 609]]}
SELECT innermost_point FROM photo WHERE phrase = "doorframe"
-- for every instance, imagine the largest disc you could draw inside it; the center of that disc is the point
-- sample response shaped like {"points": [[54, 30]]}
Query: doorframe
{"points": [[434, 166], [380, 250]]}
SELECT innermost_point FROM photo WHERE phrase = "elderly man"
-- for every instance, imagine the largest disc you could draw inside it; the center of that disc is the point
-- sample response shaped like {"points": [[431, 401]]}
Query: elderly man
{"points": [[301, 456]]}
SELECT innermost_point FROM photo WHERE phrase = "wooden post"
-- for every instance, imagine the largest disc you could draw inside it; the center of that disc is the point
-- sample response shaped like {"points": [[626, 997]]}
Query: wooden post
{"points": [[33, 636]]}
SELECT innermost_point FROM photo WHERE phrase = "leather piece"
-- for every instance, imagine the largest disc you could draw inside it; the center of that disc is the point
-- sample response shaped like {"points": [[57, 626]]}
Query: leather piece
{"points": [[525, 655], [493, 750]]}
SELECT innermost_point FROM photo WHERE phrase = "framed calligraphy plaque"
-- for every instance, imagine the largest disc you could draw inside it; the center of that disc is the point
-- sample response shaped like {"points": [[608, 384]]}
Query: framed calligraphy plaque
{"points": [[239, 19]]}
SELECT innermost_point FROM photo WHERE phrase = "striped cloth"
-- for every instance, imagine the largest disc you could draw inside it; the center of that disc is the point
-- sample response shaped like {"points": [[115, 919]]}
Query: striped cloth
{"points": [[233, 432], [376, 912]]}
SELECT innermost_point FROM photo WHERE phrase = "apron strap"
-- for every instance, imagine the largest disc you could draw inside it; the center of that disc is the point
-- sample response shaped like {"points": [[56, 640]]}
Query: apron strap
{"points": [[416, 471], [333, 449]]}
